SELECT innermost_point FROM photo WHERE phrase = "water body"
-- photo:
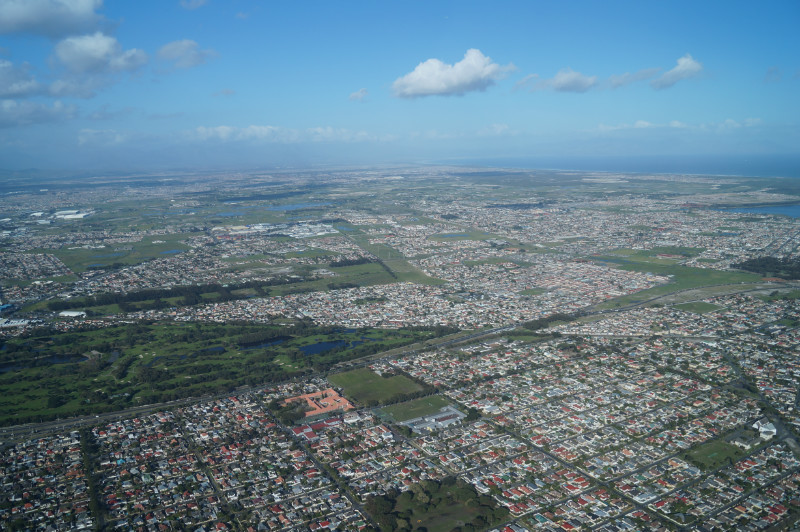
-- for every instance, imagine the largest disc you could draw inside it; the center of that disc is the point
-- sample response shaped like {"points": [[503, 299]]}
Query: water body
{"points": [[453, 235], [266, 344], [108, 255], [171, 251], [786, 210], [321, 347], [296, 206]]}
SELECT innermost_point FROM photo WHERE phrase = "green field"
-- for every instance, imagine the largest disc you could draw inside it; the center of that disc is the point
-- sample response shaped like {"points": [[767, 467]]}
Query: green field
{"points": [[395, 261], [682, 278], [533, 292], [79, 260], [697, 307], [367, 387], [103, 370], [714, 454], [424, 406]]}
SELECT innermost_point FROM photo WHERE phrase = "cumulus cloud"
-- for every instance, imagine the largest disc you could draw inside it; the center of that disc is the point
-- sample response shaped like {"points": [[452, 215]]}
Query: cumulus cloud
{"points": [[16, 81], [476, 72], [97, 54], [185, 53], [193, 4], [52, 18], [566, 80], [14, 113], [620, 80], [359, 96], [686, 68]]}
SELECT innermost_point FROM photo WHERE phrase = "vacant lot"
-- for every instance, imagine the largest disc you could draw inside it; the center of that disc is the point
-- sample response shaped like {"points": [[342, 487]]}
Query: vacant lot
{"points": [[417, 408], [698, 307]]}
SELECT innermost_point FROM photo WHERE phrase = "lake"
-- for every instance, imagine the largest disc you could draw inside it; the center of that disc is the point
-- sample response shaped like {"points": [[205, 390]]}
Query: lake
{"points": [[786, 210]]}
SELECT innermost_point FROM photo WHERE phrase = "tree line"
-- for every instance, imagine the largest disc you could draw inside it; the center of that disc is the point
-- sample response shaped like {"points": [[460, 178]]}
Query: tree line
{"points": [[785, 268]]}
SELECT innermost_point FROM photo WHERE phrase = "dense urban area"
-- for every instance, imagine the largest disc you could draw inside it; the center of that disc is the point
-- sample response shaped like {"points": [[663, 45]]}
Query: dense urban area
{"points": [[421, 348]]}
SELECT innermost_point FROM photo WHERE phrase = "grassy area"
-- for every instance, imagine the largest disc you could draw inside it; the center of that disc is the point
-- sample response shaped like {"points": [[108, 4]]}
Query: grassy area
{"points": [[714, 454], [682, 278], [78, 260], [395, 261], [533, 291], [423, 406], [697, 307], [367, 387], [777, 296]]}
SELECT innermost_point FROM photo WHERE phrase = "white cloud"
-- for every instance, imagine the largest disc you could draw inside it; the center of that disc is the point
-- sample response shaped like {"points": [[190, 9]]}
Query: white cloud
{"points": [[100, 137], [730, 124], [359, 96], [494, 130], [97, 54], [526, 81], [225, 92], [185, 53], [225, 133], [726, 125], [53, 18], [16, 81], [627, 78], [193, 4], [15, 113], [276, 134], [476, 72], [79, 87], [331, 134], [566, 80], [686, 68]]}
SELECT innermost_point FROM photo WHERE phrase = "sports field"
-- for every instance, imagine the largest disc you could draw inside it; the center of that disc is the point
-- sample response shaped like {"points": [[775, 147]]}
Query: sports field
{"points": [[366, 386]]}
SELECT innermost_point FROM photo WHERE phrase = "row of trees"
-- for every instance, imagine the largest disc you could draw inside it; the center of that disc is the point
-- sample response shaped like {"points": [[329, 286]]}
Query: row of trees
{"points": [[191, 294], [785, 268], [541, 323]]}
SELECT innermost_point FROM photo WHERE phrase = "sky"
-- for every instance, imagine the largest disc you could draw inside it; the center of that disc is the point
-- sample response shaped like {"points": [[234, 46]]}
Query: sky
{"points": [[89, 85]]}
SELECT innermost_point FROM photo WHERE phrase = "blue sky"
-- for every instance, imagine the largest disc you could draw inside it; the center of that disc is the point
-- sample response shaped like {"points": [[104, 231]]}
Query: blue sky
{"points": [[113, 84]]}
